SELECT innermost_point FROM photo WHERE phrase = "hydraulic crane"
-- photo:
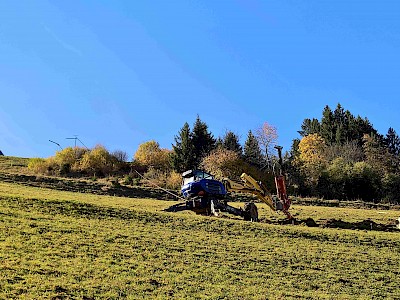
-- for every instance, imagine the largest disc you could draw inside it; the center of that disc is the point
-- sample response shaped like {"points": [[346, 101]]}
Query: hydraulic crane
{"points": [[203, 193]]}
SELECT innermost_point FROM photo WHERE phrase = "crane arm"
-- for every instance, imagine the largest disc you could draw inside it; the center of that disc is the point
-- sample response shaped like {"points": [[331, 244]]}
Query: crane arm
{"points": [[250, 185]]}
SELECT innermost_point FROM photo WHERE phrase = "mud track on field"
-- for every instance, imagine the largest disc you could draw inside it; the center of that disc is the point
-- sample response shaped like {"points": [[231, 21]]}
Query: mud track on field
{"points": [[309, 222], [340, 224]]}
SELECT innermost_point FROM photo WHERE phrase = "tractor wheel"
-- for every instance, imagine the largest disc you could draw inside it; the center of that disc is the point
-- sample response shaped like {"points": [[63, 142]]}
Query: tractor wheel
{"points": [[250, 212]]}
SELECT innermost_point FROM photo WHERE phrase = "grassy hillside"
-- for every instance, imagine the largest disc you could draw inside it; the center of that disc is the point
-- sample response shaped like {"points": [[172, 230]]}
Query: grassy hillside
{"points": [[66, 245], [11, 164], [69, 239]]}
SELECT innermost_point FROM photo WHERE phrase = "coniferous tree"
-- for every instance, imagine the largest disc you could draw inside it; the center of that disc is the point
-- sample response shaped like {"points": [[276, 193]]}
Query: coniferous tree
{"points": [[340, 121], [203, 140], [327, 126], [219, 143], [182, 157], [362, 127], [351, 127], [231, 142], [375, 153], [392, 142], [252, 152], [310, 127]]}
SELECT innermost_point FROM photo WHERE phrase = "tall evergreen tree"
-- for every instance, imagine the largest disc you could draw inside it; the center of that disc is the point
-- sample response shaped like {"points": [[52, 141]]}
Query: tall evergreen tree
{"points": [[182, 157], [327, 126], [219, 143], [363, 126], [341, 124], [309, 127], [203, 140], [252, 152], [231, 142], [392, 142]]}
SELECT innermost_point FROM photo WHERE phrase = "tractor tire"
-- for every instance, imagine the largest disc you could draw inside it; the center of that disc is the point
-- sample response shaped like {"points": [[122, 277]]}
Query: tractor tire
{"points": [[250, 212]]}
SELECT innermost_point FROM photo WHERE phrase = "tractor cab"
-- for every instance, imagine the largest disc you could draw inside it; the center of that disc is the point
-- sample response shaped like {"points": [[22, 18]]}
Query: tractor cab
{"points": [[197, 183]]}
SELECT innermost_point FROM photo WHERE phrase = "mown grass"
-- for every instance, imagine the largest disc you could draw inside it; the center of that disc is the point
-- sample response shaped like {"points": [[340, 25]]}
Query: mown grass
{"points": [[13, 164], [62, 245]]}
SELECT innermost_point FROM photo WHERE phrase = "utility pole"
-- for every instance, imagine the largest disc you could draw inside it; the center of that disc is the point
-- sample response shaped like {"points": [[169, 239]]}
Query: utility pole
{"points": [[73, 138], [77, 139]]}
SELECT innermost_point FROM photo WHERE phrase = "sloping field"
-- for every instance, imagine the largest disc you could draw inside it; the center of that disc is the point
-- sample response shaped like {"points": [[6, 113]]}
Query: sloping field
{"points": [[65, 245]]}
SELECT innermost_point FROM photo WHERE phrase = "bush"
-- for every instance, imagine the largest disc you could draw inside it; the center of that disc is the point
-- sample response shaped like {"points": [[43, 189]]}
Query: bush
{"points": [[98, 161], [37, 165], [68, 160], [165, 179], [226, 163], [344, 180], [150, 155], [155, 177], [223, 163], [174, 181], [391, 188], [365, 181], [128, 180]]}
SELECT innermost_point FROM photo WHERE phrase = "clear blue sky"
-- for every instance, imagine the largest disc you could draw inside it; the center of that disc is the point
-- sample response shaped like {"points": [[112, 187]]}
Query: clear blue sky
{"points": [[123, 72]]}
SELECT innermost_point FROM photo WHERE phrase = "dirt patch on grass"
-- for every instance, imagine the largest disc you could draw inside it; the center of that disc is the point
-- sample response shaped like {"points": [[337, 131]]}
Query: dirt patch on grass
{"points": [[334, 223]]}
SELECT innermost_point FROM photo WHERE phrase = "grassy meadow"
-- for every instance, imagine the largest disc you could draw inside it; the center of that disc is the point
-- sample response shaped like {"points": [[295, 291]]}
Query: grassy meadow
{"points": [[11, 164], [65, 245], [57, 244]]}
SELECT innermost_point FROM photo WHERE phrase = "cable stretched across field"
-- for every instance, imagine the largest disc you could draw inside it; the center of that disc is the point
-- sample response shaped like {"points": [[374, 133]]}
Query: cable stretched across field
{"points": [[165, 190]]}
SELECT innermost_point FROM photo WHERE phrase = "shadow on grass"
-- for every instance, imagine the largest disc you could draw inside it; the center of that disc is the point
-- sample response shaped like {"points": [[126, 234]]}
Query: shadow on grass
{"points": [[176, 222], [177, 207]]}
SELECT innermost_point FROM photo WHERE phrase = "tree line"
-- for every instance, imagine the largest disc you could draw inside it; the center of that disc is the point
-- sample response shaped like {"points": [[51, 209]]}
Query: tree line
{"points": [[341, 156], [338, 156], [197, 147]]}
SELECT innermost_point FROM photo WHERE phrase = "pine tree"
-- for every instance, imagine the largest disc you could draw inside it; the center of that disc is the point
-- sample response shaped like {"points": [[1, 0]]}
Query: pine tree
{"points": [[231, 142], [219, 143], [327, 126], [363, 126], [392, 142], [352, 134], [252, 152], [310, 127], [203, 141], [340, 124], [182, 157], [376, 154]]}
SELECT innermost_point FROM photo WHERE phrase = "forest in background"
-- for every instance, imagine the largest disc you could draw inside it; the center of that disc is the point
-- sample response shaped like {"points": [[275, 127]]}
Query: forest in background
{"points": [[338, 156]]}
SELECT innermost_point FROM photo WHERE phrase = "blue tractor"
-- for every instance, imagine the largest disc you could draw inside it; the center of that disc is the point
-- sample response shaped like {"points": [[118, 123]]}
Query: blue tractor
{"points": [[204, 194], [199, 188]]}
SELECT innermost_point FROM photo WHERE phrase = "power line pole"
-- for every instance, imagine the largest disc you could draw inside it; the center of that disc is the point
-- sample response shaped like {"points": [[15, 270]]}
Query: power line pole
{"points": [[73, 138]]}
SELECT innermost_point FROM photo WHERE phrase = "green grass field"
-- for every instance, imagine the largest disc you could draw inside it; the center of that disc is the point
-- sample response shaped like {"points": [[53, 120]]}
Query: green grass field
{"points": [[13, 164], [65, 245]]}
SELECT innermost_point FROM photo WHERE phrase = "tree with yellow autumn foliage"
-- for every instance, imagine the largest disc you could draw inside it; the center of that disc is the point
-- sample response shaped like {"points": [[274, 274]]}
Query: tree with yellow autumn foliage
{"points": [[149, 154], [311, 158]]}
